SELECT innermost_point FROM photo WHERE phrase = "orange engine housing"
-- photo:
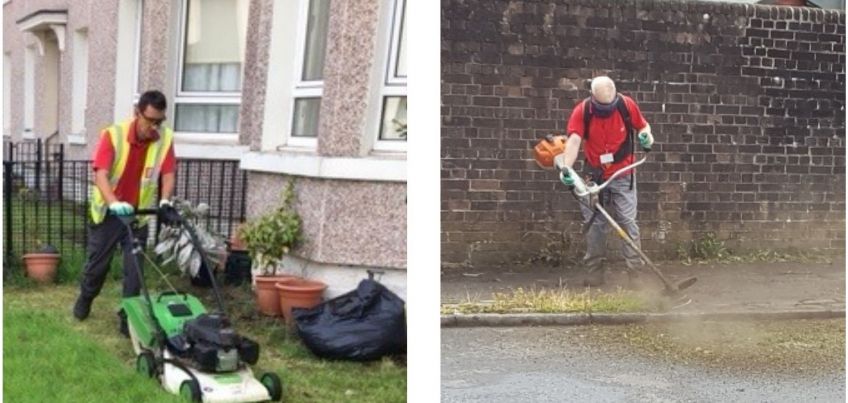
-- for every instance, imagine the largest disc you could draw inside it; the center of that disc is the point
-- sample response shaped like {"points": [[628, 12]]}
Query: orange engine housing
{"points": [[548, 148]]}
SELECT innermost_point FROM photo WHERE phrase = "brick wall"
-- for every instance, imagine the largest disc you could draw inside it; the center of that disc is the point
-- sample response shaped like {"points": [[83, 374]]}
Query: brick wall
{"points": [[746, 105]]}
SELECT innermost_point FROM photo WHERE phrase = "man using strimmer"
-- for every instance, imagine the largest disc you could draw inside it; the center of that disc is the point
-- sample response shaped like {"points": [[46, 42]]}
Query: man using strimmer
{"points": [[604, 123]]}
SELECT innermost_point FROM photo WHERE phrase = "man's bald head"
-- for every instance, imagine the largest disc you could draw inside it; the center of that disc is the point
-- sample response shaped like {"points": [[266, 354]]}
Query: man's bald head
{"points": [[603, 89]]}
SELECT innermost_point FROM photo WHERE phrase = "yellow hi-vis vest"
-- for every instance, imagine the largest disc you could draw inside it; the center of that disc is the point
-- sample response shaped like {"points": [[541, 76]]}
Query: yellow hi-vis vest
{"points": [[149, 185]]}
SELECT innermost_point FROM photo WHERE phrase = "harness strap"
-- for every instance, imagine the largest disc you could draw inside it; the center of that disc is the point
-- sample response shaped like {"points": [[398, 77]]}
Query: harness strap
{"points": [[628, 147]]}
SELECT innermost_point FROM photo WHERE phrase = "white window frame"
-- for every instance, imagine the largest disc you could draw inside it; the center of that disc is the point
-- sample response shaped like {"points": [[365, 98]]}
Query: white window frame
{"points": [[391, 85], [79, 85], [200, 97], [28, 129], [303, 89], [137, 65], [392, 77], [7, 93]]}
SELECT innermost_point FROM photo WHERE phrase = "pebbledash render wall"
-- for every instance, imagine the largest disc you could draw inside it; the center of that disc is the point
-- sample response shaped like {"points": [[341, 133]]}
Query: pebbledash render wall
{"points": [[102, 48], [351, 198], [108, 24], [746, 104], [352, 221]]}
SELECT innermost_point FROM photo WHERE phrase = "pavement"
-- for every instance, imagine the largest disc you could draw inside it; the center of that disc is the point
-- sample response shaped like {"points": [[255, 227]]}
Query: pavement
{"points": [[592, 363], [765, 289]]}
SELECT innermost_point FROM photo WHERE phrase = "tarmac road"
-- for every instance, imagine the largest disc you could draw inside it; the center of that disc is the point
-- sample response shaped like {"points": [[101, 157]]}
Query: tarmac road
{"points": [[600, 364]]}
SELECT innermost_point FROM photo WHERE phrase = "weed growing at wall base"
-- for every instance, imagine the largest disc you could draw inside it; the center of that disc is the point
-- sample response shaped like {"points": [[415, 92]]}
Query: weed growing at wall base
{"points": [[709, 249]]}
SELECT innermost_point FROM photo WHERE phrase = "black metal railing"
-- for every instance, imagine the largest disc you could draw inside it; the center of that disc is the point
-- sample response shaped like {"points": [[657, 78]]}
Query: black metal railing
{"points": [[46, 197]]}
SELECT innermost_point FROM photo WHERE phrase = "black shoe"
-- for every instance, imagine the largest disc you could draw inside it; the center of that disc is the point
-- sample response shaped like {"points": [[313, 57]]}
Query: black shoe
{"points": [[82, 308], [123, 327]]}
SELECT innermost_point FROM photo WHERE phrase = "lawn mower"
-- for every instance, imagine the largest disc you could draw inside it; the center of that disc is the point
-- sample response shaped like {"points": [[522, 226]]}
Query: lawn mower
{"points": [[586, 194], [193, 353]]}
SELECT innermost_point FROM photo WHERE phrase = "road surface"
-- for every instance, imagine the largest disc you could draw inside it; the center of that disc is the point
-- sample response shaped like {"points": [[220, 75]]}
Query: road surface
{"points": [[792, 362]]}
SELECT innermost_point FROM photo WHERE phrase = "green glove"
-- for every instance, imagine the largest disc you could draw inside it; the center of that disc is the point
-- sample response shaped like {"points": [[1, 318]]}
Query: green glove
{"points": [[566, 178], [121, 208], [646, 140]]}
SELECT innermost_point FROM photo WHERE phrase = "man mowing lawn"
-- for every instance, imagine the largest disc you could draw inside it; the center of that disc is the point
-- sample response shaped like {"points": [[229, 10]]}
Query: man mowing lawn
{"points": [[128, 162]]}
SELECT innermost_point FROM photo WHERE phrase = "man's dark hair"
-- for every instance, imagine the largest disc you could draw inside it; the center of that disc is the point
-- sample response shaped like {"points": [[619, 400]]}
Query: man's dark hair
{"points": [[153, 98]]}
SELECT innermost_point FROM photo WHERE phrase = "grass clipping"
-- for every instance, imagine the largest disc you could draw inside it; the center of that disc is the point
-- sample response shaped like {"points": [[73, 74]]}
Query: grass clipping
{"points": [[559, 300]]}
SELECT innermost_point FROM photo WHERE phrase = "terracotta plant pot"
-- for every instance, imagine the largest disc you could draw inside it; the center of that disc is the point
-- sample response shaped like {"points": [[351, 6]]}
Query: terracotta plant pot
{"points": [[267, 296], [299, 293], [236, 243], [41, 267]]}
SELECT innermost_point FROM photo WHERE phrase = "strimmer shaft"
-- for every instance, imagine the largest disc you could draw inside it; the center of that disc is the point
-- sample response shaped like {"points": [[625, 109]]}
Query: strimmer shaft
{"points": [[626, 238]]}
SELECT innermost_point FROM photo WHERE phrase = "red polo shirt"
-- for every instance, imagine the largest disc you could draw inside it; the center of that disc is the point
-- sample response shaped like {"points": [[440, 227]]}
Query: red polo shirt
{"points": [[606, 134], [130, 182]]}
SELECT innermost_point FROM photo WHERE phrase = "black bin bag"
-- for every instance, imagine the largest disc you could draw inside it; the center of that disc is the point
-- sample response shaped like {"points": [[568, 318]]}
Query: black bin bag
{"points": [[361, 325]]}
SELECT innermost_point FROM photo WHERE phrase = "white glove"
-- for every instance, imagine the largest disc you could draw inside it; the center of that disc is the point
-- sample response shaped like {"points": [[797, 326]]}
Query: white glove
{"points": [[121, 208]]}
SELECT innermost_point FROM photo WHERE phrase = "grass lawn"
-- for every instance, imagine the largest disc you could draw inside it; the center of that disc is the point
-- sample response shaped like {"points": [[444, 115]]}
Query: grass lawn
{"points": [[49, 356]]}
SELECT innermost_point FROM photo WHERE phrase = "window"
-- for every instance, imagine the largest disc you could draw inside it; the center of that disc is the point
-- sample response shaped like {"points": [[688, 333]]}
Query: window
{"points": [[210, 76], [29, 92], [80, 81], [7, 94], [308, 87], [391, 134]]}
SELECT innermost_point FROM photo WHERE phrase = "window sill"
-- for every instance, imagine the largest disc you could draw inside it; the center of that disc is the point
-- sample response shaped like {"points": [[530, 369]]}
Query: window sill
{"points": [[76, 139], [207, 138], [209, 151], [372, 168]]}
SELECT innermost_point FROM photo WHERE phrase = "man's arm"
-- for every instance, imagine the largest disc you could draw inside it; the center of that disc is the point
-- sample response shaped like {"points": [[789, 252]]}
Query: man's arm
{"points": [[646, 129], [168, 181], [101, 180], [572, 148], [169, 169]]}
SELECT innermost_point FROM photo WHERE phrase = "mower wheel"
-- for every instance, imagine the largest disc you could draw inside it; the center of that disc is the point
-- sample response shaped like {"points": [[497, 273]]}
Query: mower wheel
{"points": [[145, 364], [190, 391], [272, 382]]}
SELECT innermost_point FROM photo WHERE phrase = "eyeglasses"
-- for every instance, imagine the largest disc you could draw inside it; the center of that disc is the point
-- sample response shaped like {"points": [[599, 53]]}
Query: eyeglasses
{"points": [[155, 122]]}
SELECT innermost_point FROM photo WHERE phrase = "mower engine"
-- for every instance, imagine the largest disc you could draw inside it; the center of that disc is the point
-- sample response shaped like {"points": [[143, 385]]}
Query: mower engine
{"points": [[211, 343]]}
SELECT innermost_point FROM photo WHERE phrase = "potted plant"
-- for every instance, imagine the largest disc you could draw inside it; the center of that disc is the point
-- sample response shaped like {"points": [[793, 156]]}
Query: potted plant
{"points": [[268, 239], [41, 265], [299, 293], [236, 243]]}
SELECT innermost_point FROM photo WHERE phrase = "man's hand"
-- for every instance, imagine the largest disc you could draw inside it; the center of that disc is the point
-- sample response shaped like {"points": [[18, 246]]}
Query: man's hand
{"points": [[566, 178], [168, 215], [120, 208], [646, 140]]}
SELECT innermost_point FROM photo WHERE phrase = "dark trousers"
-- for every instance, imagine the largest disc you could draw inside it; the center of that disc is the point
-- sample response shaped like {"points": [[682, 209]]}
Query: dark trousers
{"points": [[102, 240]]}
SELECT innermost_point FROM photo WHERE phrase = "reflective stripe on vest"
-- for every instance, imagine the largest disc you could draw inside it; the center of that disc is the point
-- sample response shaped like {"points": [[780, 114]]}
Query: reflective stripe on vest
{"points": [[149, 185]]}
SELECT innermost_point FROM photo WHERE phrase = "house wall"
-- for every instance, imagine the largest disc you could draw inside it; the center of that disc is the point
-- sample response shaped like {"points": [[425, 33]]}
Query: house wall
{"points": [[352, 223], [93, 15], [349, 226], [746, 104]]}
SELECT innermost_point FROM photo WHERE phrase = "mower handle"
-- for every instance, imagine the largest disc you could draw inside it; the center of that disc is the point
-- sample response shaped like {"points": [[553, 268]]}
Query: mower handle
{"points": [[582, 189]]}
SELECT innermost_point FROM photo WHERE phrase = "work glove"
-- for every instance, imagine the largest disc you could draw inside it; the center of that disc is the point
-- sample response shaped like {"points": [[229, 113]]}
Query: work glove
{"points": [[167, 214], [566, 178], [120, 208], [646, 140]]}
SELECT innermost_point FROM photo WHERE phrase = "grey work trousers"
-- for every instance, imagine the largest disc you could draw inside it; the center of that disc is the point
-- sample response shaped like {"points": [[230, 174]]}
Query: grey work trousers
{"points": [[621, 205], [102, 240]]}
